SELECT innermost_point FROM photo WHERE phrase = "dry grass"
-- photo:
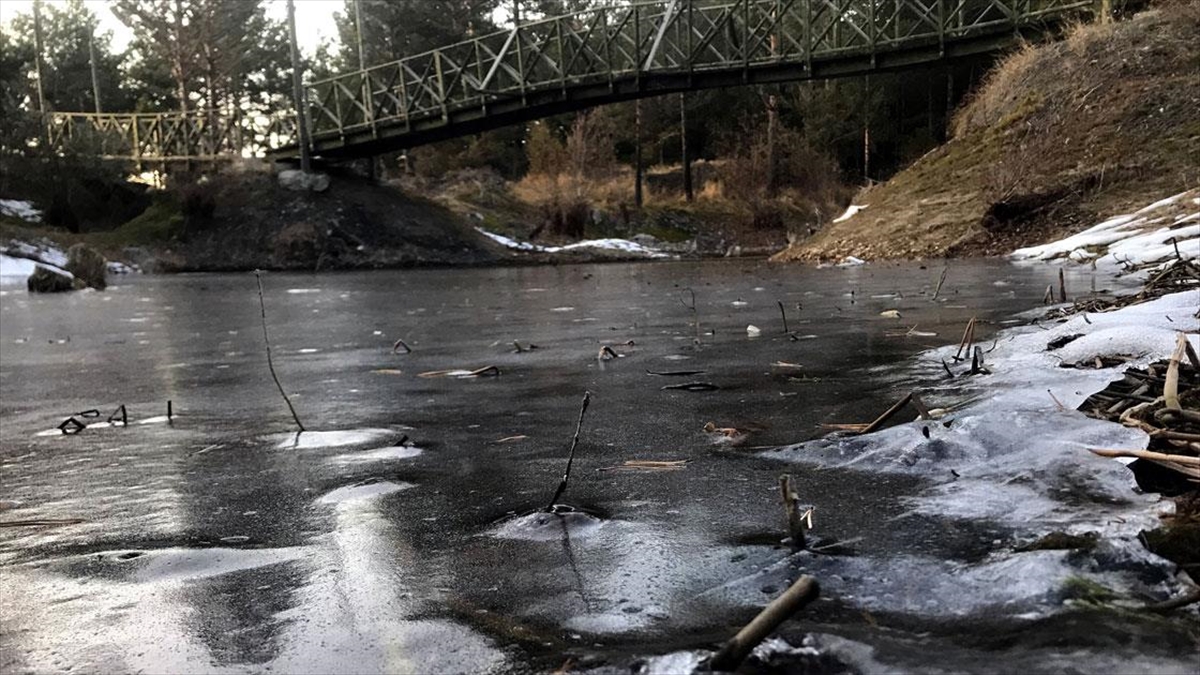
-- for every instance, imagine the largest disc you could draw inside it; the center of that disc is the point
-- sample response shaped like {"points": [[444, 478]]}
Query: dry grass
{"points": [[1057, 137]]}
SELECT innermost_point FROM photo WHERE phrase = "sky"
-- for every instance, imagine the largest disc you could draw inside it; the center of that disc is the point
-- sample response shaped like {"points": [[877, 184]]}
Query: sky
{"points": [[314, 19]]}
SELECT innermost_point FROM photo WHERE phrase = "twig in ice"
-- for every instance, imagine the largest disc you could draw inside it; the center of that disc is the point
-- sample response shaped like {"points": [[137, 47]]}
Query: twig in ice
{"points": [[562, 486], [262, 305], [941, 280], [695, 313], [783, 314]]}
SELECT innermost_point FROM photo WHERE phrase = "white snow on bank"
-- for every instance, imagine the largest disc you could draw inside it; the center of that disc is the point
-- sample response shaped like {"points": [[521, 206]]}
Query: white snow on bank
{"points": [[622, 245], [19, 208], [20, 257], [1147, 236], [14, 271], [42, 252], [850, 212]]}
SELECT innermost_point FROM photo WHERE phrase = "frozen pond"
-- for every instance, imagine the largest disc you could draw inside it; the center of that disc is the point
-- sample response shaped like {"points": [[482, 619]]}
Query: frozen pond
{"points": [[397, 536]]}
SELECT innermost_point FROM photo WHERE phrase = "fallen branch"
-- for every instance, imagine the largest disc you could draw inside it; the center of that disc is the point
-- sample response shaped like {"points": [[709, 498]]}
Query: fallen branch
{"points": [[41, 522], [262, 305], [801, 593], [1187, 460], [691, 386], [486, 371], [1175, 603], [562, 486], [888, 414], [649, 465]]}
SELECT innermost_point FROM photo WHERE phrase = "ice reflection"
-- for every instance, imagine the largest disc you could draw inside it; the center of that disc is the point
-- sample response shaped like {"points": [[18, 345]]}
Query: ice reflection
{"points": [[356, 611]]}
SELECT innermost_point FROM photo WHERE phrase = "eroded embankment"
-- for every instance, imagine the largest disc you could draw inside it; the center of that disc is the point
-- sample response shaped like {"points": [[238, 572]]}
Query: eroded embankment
{"points": [[1056, 137]]}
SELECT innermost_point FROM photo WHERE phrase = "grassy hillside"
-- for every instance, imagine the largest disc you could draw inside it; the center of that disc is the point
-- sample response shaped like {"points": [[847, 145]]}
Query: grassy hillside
{"points": [[1057, 137]]}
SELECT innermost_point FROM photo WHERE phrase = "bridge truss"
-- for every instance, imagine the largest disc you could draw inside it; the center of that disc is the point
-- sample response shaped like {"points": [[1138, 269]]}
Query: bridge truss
{"points": [[584, 59]]}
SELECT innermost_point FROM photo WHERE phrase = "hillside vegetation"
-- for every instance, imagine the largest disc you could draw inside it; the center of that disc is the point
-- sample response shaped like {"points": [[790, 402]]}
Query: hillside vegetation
{"points": [[1055, 138]]}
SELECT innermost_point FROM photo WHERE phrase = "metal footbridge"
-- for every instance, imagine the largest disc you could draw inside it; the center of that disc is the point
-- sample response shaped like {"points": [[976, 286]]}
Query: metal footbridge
{"points": [[593, 57]]}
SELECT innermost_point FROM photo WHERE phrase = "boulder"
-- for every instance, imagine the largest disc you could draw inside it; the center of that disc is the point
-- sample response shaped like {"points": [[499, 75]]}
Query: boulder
{"points": [[87, 265], [293, 179], [46, 280]]}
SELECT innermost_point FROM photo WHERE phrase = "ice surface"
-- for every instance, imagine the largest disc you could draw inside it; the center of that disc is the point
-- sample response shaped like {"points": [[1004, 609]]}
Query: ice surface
{"points": [[540, 526], [1013, 458], [379, 454], [364, 491], [331, 439]]}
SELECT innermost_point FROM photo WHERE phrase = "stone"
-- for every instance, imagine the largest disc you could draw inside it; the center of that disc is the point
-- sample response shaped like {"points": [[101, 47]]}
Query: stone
{"points": [[294, 179], [87, 265], [46, 280]]}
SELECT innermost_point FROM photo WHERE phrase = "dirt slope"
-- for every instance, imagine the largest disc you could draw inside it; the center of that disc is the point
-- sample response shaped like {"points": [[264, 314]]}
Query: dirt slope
{"points": [[1057, 137]]}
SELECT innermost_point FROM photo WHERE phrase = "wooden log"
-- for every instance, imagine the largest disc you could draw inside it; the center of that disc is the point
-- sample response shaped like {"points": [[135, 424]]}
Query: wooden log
{"points": [[799, 594], [1147, 454], [888, 414]]}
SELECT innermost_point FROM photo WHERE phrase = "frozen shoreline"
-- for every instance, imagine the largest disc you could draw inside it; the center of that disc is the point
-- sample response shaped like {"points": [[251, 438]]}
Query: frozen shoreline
{"points": [[1015, 459]]}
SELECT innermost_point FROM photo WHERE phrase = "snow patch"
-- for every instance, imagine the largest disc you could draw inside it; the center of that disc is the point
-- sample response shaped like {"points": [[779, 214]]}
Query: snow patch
{"points": [[850, 212], [14, 271], [1150, 235], [621, 245], [1016, 456], [20, 208]]}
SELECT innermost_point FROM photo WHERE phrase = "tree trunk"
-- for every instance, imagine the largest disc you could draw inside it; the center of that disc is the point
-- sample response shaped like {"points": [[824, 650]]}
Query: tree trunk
{"points": [[92, 64], [39, 46], [772, 152], [637, 154], [298, 91], [683, 149]]}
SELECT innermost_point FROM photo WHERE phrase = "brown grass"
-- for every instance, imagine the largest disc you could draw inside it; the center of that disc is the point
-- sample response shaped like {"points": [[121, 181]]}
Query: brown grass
{"points": [[1057, 137]]}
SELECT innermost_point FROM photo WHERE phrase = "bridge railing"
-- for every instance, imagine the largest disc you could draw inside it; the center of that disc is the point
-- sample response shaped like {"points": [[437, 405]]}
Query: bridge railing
{"points": [[609, 43], [197, 135]]}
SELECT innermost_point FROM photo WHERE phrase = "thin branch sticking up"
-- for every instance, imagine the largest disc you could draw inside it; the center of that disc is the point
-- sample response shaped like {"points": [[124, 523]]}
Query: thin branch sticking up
{"points": [[695, 312], [262, 305], [967, 340], [791, 510], [783, 313], [1171, 385], [941, 280], [562, 486]]}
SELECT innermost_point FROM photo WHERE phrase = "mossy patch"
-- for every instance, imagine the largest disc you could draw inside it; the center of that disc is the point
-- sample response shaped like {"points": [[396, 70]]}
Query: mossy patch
{"points": [[1060, 541], [1082, 589], [160, 223]]}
